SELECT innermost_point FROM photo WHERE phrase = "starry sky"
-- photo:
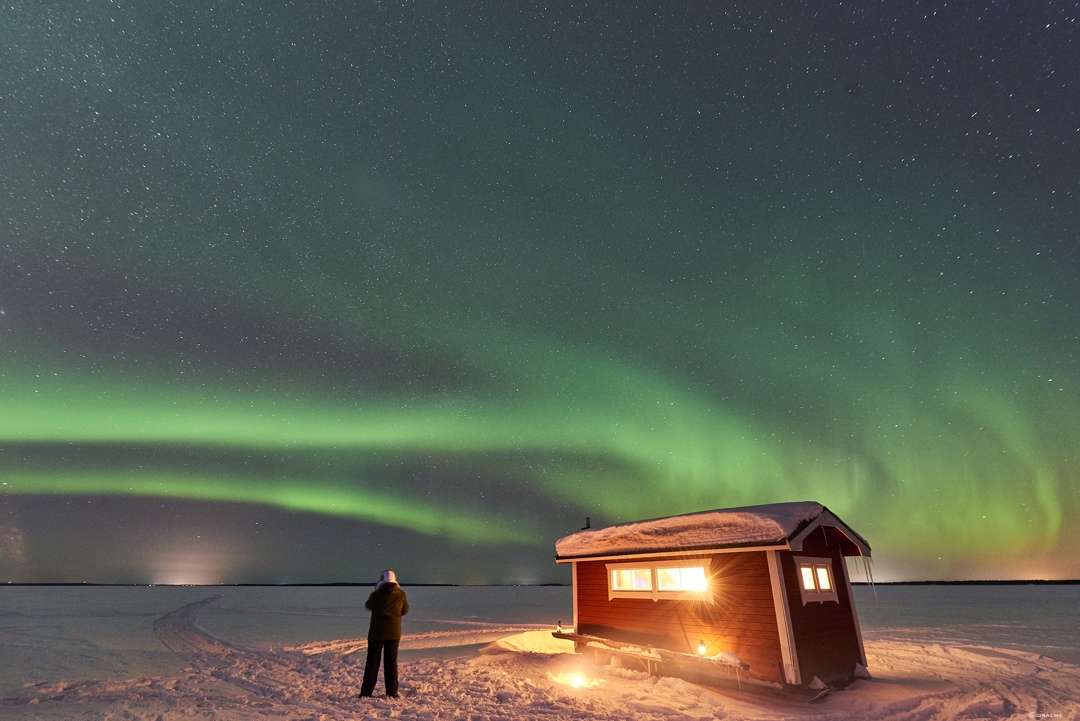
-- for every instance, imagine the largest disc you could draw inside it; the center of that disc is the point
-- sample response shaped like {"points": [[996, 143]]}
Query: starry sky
{"points": [[293, 292]]}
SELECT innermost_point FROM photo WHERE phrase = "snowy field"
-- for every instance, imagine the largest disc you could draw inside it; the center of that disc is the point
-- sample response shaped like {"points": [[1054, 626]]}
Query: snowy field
{"points": [[936, 652]]}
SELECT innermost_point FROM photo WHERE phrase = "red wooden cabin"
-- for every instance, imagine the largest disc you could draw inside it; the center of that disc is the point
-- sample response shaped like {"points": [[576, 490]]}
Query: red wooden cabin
{"points": [[755, 595]]}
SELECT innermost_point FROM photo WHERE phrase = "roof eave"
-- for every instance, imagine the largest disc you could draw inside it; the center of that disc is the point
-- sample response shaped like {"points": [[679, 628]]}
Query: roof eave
{"points": [[828, 518], [777, 545]]}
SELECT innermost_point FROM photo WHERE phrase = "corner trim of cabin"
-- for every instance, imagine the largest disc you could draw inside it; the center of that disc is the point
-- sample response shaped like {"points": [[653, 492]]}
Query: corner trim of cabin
{"points": [[854, 613], [574, 592], [783, 620]]}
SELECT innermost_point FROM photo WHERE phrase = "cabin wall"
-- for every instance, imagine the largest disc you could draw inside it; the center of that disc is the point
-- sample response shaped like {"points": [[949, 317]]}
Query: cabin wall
{"points": [[826, 639], [741, 619]]}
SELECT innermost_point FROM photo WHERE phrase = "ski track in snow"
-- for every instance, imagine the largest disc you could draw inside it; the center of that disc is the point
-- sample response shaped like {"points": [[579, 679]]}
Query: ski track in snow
{"points": [[237, 682]]}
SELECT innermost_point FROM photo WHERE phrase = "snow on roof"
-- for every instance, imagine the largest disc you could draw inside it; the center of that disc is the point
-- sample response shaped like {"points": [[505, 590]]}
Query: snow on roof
{"points": [[770, 524]]}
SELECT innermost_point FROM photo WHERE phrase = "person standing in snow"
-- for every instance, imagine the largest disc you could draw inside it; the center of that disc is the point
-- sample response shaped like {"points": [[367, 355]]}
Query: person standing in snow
{"points": [[387, 604]]}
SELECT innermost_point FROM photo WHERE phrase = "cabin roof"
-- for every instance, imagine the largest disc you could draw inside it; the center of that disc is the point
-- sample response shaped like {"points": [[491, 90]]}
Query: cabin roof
{"points": [[772, 525]]}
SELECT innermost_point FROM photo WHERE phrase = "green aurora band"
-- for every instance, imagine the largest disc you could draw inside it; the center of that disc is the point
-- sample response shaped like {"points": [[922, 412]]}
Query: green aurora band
{"points": [[613, 440]]}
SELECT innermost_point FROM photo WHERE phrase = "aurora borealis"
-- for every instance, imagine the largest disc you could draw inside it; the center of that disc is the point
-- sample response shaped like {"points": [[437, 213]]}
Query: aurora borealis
{"points": [[293, 293]]}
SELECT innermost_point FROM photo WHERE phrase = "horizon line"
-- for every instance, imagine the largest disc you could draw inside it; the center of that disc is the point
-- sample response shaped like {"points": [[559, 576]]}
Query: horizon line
{"points": [[969, 582]]}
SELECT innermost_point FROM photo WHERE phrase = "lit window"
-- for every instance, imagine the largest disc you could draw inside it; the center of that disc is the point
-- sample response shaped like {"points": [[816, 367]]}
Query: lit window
{"points": [[631, 579], [681, 579], [664, 579], [815, 575]]}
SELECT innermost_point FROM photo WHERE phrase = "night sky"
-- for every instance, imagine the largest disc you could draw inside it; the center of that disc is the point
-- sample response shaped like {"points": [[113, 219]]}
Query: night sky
{"points": [[294, 292]]}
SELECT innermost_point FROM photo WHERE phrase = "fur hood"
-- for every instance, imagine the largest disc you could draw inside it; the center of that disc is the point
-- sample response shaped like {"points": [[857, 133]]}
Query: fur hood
{"points": [[388, 576]]}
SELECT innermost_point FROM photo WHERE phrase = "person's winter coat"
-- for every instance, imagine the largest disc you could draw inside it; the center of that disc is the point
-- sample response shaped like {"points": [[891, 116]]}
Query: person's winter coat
{"points": [[387, 604]]}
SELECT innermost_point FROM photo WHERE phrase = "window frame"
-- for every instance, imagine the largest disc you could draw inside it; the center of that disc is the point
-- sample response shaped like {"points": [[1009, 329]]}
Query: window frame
{"points": [[655, 593], [815, 565]]}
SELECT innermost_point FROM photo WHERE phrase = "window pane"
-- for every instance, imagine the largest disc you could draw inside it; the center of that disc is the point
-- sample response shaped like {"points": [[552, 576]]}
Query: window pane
{"points": [[631, 579], [693, 579], [681, 579], [808, 578], [668, 579], [823, 581]]}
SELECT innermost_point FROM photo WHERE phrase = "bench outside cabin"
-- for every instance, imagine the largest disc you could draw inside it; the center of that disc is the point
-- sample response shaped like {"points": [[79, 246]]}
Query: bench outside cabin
{"points": [[756, 596]]}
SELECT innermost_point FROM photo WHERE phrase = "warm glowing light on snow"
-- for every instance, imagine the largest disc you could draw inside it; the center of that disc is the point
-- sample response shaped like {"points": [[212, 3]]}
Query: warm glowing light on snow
{"points": [[575, 680]]}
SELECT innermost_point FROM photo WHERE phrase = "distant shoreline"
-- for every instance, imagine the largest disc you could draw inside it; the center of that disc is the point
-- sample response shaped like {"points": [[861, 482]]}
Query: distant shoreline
{"points": [[1071, 582], [286, 585]]}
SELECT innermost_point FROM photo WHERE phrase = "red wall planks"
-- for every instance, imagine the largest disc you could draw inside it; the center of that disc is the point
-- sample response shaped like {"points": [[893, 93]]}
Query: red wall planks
{"points": [[741, 618], [825, 634]]}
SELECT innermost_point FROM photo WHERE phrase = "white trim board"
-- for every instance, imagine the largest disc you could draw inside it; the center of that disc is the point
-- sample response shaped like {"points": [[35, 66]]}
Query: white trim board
{"points": [[788, 652]]}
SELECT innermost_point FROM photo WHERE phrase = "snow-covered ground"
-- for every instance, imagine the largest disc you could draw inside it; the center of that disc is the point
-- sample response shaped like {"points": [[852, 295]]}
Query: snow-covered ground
{"points": [[297, 653]]}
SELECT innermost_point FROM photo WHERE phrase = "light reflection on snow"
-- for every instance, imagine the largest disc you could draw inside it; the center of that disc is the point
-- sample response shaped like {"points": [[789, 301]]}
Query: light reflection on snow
{"points": [[575, 680]]}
